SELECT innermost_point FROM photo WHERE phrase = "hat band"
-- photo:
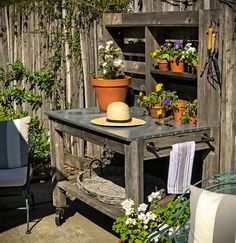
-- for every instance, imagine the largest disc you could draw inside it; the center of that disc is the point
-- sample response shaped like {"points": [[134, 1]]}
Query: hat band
{"points": [[119, 121]]}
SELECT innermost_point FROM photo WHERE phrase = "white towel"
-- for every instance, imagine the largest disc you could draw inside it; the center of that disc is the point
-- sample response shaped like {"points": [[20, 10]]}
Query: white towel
{"points": [[180, 167]]}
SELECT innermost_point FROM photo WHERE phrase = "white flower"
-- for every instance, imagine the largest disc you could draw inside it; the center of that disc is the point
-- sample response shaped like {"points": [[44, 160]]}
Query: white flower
{"points": [[104, 71], [142, 207], [118, 62], [100, 47], [142, 216], [104, 64], [145, 227], [130, 221], [129, 211], [154, 195], [127, 203], [107, 57], [109, 43], [151, 216]]}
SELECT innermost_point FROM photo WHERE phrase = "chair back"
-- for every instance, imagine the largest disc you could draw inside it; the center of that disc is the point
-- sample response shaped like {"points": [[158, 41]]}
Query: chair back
{"points": [[14, 149]]}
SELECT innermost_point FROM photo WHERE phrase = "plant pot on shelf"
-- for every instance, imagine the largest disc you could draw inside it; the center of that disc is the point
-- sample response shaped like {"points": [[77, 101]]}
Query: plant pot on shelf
{"points": [[192, 120], [177, 66], [179, 109], [108, 91], [163, 65], [195, 68], [157, 111]]}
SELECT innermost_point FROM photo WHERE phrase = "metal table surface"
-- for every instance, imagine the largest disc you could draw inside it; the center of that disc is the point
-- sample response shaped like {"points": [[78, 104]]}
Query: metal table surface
{"points": [[130, 141]]}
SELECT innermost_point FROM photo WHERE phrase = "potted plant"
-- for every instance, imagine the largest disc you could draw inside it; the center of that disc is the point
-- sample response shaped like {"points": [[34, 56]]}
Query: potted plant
{"points": [[177, 56], [162, 56], [191, 57], [178, 107], [190, 112], [134, 226], [112, 84], [158, 102]]}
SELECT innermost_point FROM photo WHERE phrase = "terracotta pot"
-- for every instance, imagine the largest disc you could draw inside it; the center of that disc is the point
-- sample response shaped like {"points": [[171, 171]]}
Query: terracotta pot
{"points": [[108, 91], [121, 241], [157, 111], [195, 68], [177, 67], [178, 111], [163, 65], [192, 120]]}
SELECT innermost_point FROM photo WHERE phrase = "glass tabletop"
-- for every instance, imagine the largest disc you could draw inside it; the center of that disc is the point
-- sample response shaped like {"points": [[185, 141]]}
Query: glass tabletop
{"points": [[81, 118]]}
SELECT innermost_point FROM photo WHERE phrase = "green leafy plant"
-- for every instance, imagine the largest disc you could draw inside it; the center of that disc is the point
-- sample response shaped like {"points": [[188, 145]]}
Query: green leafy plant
{"points": [[176, 51], [134, 226], [163, 98], [163, 53], [190, 110]]}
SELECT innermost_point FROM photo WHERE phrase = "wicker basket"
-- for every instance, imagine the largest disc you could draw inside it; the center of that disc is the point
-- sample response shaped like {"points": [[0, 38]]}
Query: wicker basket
{"points": [[108, 186]]}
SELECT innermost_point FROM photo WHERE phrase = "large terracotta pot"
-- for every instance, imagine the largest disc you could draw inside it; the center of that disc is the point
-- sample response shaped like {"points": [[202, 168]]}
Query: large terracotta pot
{"points": [[177, 67], [178, 111], [108, 91], [157, 111], [163, 65]]}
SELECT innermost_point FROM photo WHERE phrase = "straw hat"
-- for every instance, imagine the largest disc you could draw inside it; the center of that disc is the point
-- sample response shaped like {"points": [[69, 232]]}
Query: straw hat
{"points": [[118, 116]]}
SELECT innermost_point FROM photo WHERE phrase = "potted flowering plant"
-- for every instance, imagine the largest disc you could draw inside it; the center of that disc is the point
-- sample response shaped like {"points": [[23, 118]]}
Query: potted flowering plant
{"points": [[162, 56], [190, 112], [112, 84], [177, 56], [134, 226], [191, 56], [158, 102]]}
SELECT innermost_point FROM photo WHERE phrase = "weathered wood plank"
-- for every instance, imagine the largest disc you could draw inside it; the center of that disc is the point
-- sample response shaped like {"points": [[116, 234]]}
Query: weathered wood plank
{"points": [[134, 172], [188, 18], [57, 161], [134, 67]]}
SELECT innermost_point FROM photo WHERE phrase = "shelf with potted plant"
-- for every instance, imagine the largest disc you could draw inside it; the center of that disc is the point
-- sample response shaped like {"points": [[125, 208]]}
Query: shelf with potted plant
{"points": [[177, 55]]}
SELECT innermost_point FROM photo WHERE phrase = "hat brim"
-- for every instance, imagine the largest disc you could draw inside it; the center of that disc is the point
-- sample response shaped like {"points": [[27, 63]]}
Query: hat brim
{"points": [[102, 121]]}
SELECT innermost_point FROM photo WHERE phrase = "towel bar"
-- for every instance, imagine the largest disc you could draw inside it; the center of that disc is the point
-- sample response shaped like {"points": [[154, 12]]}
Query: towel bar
{"points": [[204, 139]]}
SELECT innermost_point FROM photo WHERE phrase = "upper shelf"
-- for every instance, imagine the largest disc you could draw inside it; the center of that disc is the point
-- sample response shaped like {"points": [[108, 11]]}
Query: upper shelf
{"points": [[189, 76], [174, 18]]}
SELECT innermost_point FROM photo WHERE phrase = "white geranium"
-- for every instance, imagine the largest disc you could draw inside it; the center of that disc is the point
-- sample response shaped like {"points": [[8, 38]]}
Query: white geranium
{"points": [[104, 64], [151, 215], [100, 47], [142, 216], [130, 221], [142, 207], [104, 71], [154, 195], [128, 206], [118, 62]]}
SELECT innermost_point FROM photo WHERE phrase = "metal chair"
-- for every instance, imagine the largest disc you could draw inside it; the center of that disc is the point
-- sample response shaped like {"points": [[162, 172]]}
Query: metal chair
{"points": [[15, 160], [221, 183]]}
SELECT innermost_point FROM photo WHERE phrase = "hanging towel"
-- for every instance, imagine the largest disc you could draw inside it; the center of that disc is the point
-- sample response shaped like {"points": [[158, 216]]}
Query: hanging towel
{"points": [[180, 167]]}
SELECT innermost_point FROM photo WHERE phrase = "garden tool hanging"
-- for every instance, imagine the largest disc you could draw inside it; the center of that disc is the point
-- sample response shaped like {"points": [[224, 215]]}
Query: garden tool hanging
{"points": [[212, 67]]}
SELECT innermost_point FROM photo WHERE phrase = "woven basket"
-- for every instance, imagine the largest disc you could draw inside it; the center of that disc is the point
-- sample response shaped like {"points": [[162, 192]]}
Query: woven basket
{"points": [[110, 186]]}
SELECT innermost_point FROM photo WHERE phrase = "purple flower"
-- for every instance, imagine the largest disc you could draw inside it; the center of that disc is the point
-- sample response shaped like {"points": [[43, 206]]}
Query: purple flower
{"points": [[166, 44], [167, 101], [177, 44]]}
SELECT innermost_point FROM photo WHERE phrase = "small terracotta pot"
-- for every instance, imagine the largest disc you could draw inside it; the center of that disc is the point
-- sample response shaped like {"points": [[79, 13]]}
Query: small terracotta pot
{"points": [[157, 111], [163, 65], [108, 91], [178, 111], [177, 67], [195, 68], [192, 120]]}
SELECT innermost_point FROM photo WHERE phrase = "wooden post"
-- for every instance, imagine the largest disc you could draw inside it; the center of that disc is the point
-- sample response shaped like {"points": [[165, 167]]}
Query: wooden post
{"points": [[134, 181], [228, 102], [57, 160]]}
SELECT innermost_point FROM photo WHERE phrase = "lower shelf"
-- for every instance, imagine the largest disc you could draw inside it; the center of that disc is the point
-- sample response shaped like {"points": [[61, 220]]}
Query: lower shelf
{"points": [[112, 211]]}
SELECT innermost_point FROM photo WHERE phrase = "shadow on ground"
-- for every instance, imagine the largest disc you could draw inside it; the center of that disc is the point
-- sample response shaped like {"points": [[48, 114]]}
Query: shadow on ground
{"points": [[12, 218]]}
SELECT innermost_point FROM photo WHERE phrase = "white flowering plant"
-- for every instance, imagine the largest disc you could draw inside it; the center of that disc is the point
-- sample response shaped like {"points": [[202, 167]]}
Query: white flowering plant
{"points": [[191, 54], [135, 225], [111, 65]]}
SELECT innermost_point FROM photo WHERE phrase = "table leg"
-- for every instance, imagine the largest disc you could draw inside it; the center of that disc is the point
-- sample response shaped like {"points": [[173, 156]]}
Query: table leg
{"points": [[57, 161], [134, 172]]}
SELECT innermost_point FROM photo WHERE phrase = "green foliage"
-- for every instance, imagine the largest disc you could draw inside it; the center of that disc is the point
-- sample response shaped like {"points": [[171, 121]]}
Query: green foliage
{"points": [[190, 110], [132, 227]]}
